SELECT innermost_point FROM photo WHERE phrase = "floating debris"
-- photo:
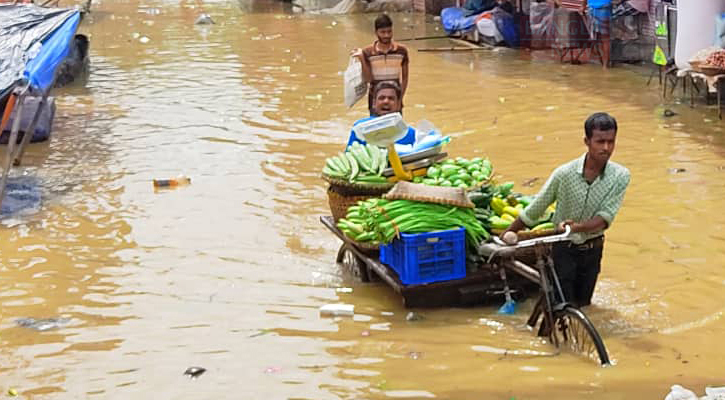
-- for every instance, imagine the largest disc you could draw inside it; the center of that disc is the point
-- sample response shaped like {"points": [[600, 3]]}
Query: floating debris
{"points": [[414, 316], [668, 113], [42, 324], [204, 19], [530, 182], [194, 372], [334, 310]]}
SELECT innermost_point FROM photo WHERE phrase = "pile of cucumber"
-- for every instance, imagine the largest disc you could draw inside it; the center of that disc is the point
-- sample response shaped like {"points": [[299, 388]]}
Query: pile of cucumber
{"points": [[359, 164]]}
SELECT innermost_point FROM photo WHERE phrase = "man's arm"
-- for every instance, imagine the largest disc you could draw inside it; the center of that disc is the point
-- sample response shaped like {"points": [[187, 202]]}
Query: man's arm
{"points": [[584, 7], [610, 206], [543, 200], [360, 55]]}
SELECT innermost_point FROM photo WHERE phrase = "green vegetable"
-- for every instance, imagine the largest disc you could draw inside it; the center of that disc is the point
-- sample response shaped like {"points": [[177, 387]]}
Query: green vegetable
{"points": [[433, 172], [374, 154], [448, 170], [543, 227], [498, 222], [371, 179], [505, 189], [379, 220], [354, 167], [525, 200]]}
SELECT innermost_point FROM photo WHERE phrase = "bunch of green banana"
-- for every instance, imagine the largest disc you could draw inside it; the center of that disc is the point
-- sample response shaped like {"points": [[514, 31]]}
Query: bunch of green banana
{"points": [[360, 164], [378, 220]]}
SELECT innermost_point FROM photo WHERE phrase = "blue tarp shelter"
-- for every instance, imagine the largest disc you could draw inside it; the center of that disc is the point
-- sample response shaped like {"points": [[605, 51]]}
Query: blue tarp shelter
{"points": [[33, 42]]}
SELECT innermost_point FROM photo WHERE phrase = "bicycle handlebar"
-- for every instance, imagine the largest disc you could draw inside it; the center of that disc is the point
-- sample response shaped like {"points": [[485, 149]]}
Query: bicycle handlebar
{"points": [[502, 247], [531, 242]]}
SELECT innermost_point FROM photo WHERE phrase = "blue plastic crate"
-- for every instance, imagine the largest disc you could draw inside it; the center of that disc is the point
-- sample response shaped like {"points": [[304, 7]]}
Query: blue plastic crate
{"points": [[427, 257]]}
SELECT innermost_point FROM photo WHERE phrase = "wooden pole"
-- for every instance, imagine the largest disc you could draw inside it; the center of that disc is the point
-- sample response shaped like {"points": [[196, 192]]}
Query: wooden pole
{"points": [[453, 49], [423, 38], [30, 130], [8, 111], [11, 144]]}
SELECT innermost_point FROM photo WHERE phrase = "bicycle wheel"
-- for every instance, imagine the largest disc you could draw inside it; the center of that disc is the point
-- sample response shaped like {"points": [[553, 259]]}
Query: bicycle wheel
{"points": [[574, 331], [352, 264]]}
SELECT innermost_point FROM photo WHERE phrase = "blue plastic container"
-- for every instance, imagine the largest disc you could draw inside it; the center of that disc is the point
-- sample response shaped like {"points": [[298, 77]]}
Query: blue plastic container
{"points": [[427, 257]]}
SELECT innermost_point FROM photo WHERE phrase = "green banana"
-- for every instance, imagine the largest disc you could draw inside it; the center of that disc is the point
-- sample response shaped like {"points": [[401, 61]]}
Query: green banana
{"points": [[354, 167]]}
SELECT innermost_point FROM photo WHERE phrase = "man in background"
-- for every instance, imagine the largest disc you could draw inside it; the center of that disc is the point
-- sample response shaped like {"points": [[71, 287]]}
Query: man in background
{"points": [[600, 14], [384, 60]]}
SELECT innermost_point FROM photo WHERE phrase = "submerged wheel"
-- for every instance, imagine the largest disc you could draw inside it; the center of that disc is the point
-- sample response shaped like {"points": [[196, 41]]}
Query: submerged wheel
{"points": [[352, 264], [574, 331]]}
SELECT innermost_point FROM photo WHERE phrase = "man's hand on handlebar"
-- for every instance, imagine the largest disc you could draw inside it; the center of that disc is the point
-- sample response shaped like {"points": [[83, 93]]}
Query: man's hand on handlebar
{"points": [[561, 228]]}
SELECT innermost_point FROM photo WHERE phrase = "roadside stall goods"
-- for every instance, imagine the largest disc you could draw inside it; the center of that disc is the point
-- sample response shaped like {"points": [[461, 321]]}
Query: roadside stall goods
{"points": [[710, 61]]}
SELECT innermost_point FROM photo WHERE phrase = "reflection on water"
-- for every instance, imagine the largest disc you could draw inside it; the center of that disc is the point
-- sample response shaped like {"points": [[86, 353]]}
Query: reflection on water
{"points": [[229, 273]]}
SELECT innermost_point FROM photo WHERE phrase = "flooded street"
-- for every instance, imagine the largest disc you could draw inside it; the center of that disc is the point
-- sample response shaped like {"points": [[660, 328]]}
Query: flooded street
{"points": [[229, 273]]}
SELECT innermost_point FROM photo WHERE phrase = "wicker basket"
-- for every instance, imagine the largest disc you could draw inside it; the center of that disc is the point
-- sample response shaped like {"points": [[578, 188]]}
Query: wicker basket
{"points": [[711, 70], [346, 188], [339, 203]]}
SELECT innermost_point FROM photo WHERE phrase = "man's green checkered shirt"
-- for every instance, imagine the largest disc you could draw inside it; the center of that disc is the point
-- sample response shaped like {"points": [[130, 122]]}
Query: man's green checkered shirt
{"points": [[578, 200]]}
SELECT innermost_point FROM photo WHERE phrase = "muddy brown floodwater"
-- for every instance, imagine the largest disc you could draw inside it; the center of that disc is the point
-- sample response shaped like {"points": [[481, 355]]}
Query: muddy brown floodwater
{"points": [[229, 272]]}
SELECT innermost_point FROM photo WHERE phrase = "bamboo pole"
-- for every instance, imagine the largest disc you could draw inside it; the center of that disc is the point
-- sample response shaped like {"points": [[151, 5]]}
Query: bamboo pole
{"points": [[30, 130], [423, 38], [11, 144], [8, 111], [453, 48]]}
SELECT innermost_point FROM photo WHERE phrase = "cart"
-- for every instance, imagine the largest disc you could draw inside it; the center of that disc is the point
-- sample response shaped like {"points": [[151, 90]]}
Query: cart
{"points": [[562, 323], [483, 286]]}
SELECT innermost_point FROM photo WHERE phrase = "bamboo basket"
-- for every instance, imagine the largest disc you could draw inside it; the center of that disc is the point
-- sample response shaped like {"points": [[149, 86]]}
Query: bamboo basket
{"points": [[339, 203], [346, 188]]}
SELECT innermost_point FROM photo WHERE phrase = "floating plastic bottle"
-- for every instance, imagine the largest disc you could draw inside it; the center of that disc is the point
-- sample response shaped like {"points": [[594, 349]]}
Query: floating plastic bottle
{"points": [[167, 183]]}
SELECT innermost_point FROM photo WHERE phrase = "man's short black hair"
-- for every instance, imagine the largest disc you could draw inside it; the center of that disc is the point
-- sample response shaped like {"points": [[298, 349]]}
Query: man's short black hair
{"points": [[600, 121], [387, 85], [383, 21]]}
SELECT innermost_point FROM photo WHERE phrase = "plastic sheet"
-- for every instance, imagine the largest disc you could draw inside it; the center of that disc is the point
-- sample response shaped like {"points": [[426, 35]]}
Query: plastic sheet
{"points": [[454, 20], [22, 196], [24, 32]]}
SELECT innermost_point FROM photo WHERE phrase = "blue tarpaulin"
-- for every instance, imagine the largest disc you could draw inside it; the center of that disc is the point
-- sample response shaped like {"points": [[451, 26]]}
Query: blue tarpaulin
{"points": [[454, 20], [40, 70], [33, 41], [22, 196]]}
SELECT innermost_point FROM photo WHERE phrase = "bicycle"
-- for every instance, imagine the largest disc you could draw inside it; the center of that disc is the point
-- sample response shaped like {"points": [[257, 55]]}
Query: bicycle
{"points": [[560, 321]]}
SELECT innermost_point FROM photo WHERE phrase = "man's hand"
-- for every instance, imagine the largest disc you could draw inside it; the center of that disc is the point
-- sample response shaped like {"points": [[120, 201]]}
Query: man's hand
{"points": [[562, 226], [356, 53]]}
